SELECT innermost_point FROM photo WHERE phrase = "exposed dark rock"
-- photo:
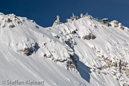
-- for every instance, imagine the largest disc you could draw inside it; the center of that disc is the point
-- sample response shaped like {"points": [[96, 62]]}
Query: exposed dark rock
{"points": [[90, 36], [74, 32], [29, 50], [11, 26], [8, 20]]}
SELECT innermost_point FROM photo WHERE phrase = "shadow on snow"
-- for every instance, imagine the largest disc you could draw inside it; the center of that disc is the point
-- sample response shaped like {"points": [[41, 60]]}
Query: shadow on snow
{"points": [[83, 70]]}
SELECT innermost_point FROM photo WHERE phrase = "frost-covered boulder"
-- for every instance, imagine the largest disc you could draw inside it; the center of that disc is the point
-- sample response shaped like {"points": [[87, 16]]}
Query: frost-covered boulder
{"points": [[115, 23], [121, 26]]}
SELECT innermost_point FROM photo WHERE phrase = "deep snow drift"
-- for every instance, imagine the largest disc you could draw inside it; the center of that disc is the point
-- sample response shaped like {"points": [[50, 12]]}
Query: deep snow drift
{"points": [[83, 52]]}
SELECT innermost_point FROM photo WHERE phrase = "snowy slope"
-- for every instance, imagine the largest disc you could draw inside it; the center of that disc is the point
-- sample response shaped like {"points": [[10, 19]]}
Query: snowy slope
{"points": [[61, 55]]}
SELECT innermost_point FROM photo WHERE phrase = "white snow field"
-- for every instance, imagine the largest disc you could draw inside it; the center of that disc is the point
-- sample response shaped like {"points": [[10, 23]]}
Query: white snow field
{"points": [[83, 52]]}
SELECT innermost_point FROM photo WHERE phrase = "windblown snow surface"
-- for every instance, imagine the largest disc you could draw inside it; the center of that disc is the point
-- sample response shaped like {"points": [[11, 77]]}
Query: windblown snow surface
{"points": [[62, 55]]}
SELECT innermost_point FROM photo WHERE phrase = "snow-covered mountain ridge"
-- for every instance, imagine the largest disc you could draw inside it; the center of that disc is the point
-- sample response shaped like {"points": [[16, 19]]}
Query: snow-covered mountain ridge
{"points": [[83, 52]]}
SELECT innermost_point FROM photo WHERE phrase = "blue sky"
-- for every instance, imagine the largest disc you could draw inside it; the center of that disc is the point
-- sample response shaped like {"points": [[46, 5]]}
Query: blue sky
{"points": [[44, 12]]}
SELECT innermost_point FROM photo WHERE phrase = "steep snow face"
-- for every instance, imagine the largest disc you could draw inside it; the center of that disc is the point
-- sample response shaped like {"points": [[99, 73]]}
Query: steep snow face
{"points": [[27, 34], [107, 51], [83, 52], [26, 53]]}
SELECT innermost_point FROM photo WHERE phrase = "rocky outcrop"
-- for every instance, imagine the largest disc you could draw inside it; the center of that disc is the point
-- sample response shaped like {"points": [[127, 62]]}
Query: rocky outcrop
{"points": [[90, 36], [29, 50]]}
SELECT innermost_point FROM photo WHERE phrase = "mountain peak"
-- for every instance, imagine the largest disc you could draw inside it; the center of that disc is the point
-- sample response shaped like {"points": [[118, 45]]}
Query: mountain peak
{"points": [[82, 51]]}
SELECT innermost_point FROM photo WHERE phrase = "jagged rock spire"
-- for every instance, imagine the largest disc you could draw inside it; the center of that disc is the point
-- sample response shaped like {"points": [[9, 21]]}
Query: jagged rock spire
{"points": [[73, 15], [57, 21], [58, 18]]}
